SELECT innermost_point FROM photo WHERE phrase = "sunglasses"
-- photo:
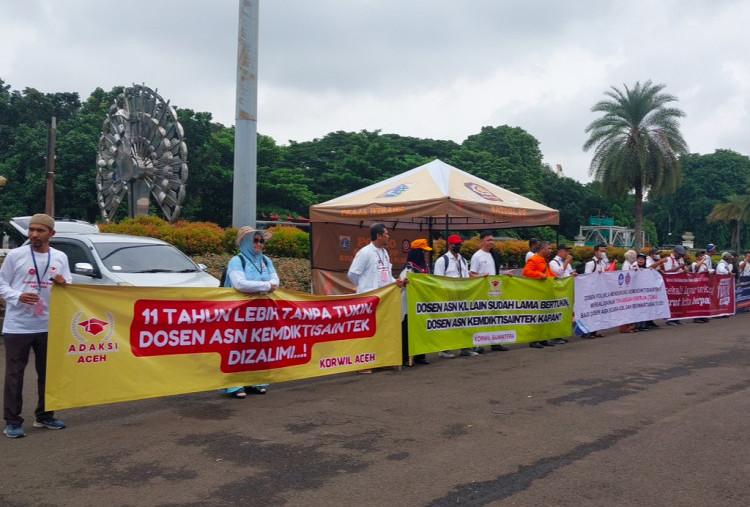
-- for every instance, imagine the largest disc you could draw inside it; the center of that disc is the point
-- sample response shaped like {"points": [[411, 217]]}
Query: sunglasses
{"points": [[259, 240]]}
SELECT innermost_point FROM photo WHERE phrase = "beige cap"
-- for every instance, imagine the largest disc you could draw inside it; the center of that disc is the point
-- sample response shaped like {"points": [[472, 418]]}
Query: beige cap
{"points": [[42, 219]]}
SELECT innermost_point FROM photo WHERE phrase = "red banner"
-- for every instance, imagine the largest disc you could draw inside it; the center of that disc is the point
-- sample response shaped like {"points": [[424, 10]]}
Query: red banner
{"points": [[248, 335], [694, 295]]}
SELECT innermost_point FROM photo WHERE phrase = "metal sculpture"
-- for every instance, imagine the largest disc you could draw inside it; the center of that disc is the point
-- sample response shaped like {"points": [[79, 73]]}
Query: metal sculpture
{"points": [[141, 151]]}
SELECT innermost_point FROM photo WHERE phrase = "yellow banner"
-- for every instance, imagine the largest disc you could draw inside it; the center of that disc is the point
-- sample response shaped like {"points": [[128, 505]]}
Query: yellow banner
{"points": [[112, 344]]}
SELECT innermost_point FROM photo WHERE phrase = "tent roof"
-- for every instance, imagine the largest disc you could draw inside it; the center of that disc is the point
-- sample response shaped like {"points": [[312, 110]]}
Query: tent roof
{"points": [[431, 194]]}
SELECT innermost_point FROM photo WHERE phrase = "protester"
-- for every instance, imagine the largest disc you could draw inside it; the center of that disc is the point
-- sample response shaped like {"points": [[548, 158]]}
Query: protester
{"points": [[599, 263], [630, 261], [371, 267], [26, 280], [630, 264], [417, 261], [671, 265], [725, 265], [251, 272], [534, 245], [484, 263], [561, 265], [653, 257], [699, 266], [744, 265], [645, 325], [538, 267], [453, 265], [710, 250]]}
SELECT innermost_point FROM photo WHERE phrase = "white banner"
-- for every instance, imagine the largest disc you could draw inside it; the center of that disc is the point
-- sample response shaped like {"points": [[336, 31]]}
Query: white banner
{"points": [[614, 298]]}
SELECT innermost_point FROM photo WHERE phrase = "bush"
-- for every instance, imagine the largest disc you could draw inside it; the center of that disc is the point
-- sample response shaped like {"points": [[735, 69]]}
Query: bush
{"points": [[288, 241]]}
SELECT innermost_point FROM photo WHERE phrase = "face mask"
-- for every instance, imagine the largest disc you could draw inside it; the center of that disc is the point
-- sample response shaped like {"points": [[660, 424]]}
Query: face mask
{"points": [[455, 248]]}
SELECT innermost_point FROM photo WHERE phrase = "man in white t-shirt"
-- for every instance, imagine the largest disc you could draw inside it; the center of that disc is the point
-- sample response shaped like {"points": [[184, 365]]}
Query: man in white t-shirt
{"points": [[452, 264], [26, 278], [483, 264]]}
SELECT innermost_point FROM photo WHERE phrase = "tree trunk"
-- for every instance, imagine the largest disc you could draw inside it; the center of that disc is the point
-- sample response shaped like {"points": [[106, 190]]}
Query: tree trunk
{"points": [[638, 218]]}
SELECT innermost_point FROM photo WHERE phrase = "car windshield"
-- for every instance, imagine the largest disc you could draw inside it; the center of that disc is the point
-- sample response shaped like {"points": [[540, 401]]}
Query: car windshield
{"points": [[143, 258]]}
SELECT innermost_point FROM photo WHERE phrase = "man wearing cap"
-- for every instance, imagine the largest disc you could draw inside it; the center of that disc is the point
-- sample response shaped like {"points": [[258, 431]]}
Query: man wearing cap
{"points": [[452, 264], [560, 265], [710, 250], [26, 279]]}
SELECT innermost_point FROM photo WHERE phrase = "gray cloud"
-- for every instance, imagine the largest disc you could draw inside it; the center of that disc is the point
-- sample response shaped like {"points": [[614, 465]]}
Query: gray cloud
{"points": [[440, 69]]}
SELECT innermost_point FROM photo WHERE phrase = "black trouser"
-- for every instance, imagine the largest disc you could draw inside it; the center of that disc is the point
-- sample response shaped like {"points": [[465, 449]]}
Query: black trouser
{"points": [[17, 348]]}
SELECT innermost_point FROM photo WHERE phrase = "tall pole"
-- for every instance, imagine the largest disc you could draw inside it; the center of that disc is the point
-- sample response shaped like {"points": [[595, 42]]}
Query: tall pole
{"points": [[246, 118], [49, 204]]}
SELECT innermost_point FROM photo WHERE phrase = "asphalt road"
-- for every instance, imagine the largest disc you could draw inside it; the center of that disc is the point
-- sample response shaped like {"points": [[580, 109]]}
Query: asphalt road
{"points": [[656, 418]]}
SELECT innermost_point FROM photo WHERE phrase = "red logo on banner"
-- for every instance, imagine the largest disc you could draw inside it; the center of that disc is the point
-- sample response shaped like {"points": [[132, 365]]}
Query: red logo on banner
{"points": [[260, 334]]}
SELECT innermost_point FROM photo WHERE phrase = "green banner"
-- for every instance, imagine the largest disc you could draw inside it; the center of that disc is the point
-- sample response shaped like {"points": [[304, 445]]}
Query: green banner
{"points": [[453, 313]]}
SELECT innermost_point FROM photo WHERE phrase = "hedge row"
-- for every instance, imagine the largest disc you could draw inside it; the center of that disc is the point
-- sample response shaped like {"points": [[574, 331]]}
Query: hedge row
{"points": [[202, 238]]}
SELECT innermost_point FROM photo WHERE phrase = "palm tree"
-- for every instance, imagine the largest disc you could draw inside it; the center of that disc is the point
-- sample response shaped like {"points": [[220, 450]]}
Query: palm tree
{"points": [[735, 211], [637, 142]]}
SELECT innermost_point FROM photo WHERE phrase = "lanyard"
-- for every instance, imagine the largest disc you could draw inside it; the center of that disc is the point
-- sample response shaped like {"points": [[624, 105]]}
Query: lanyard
{"points": [[36, 269], [258, 269]]}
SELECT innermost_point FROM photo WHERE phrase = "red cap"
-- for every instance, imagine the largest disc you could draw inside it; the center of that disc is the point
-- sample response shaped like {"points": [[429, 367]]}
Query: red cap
{"points": [[454, 239]]}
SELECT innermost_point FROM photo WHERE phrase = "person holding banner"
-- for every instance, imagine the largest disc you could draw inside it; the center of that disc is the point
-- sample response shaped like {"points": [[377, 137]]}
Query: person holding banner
{"points": [[26, 279], [699, 266], [561, 264], [744, 266], [453, 265], [725, 265], [538, 267], [599, 263], [417, 261], [671, 265], [251, 272], [710, 250], [484, 263], [371, 267]]}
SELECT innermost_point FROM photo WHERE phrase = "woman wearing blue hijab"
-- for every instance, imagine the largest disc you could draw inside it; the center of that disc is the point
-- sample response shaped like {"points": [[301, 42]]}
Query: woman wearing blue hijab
{"points": [[251, 272]]}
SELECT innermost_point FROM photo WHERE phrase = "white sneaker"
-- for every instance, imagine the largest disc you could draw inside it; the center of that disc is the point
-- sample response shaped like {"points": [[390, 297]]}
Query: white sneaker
{"points": [[469, 352], [447, 354]]}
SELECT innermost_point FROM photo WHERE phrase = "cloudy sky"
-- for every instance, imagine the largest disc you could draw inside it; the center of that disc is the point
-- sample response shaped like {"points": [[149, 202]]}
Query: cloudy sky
{"points": [[424, 68]]}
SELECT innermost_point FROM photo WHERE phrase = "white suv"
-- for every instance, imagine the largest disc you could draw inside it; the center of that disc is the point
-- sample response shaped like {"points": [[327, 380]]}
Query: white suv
{"points": [[118, 259]]}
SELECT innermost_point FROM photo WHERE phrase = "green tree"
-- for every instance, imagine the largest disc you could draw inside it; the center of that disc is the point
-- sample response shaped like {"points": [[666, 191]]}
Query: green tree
{"points": [[734, 212], [637, 143]]}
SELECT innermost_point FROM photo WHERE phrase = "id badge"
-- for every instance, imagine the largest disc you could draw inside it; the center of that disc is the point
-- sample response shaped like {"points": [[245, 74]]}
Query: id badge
{"points": [[39, 307], [383, 275]]}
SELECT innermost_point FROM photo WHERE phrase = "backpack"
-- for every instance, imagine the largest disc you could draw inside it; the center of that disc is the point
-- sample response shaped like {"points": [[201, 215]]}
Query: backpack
{"points": [[581, 268], [223, 280], [447, 261]]}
